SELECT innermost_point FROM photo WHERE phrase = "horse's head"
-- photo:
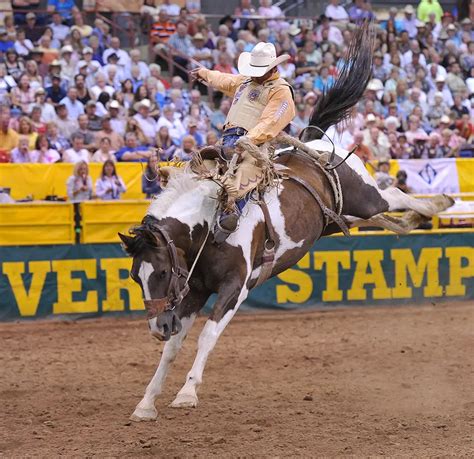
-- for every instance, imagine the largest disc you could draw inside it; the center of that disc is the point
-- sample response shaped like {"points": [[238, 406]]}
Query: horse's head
{"points": [[159, 267]]}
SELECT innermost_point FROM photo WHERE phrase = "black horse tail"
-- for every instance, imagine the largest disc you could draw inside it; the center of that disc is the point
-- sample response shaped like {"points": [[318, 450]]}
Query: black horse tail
{"points": [[335, 105]]}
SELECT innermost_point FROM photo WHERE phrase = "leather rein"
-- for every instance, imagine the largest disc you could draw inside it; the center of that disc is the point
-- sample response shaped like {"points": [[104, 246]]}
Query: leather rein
{"points": [[175, 294]]}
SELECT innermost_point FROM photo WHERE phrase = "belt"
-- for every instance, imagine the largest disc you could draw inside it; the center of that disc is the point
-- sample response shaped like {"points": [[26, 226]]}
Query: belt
{"points": [[235, 131]]}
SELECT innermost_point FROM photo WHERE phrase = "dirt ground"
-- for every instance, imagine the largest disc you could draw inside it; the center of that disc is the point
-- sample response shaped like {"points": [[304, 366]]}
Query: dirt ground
{"points": [[358, 382]]}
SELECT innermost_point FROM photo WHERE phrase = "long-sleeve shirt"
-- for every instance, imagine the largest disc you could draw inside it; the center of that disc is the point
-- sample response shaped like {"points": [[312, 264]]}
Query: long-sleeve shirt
{"points": [[278, 113], [108, 188]]}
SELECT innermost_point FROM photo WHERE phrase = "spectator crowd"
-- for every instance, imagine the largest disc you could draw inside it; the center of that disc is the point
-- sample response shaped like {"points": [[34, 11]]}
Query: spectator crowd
{"points": [[70, 92]]}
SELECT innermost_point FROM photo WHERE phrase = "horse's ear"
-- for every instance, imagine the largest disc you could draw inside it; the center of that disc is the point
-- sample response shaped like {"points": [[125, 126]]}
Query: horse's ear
{"points": [[149, 237], [127, 240]]}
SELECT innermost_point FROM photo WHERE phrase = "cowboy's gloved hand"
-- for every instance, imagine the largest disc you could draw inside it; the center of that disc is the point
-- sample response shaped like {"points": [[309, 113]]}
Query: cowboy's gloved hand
{"points": [[195, 74], [241, 144]]}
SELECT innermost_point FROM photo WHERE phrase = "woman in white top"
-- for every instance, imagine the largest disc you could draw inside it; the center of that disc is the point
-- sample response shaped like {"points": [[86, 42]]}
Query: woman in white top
{"points": [[109, 185], [105, 152], [79, 184]]}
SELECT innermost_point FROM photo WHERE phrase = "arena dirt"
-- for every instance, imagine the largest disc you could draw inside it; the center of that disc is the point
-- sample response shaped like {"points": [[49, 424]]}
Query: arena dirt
{"points": [[393, 381]]}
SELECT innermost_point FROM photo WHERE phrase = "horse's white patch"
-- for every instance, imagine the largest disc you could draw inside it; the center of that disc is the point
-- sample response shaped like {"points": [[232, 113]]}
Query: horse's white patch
{"points": [[144, 273], [187, 199]]}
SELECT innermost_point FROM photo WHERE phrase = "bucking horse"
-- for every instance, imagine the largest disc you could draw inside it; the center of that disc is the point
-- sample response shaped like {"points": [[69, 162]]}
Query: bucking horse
{"points": [[178, 267]]}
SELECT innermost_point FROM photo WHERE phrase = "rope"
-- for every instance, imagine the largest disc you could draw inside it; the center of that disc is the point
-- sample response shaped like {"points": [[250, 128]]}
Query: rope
{"points": [[198, 254]]}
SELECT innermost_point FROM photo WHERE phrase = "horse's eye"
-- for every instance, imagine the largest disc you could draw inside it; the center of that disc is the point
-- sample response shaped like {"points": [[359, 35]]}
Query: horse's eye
{"points": [[163, 274]]}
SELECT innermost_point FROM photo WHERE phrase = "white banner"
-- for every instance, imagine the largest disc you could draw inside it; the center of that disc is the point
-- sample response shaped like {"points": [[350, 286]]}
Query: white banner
{"points": [[427, 176]]}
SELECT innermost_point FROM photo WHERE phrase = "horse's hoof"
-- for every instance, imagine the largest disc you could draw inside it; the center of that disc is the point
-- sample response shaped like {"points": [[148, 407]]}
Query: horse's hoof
{"points": [[185, 401], [141, 414]]}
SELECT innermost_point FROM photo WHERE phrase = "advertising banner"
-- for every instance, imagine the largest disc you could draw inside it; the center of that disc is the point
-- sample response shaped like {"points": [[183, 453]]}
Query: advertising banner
{"points": [[92, 279]]}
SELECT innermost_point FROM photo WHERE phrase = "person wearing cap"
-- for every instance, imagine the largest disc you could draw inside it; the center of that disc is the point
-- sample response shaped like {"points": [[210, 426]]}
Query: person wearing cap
{"points": [[145, 121], [5, 41], [441, 86], [409, 21], [382, 176], [68, 62], [48, 114], [55, 93], [200, 52], [193, 132], [262, 106], [33, 30], [117, 121], [427, 7]]}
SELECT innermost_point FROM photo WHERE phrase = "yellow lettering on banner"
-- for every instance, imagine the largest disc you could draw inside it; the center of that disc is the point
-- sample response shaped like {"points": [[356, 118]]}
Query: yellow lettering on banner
{"points": [[458, 272], [364, 260], [300, 279], [68, 285], [332, 260], [27, 301], [405, 264], [114, 285]]}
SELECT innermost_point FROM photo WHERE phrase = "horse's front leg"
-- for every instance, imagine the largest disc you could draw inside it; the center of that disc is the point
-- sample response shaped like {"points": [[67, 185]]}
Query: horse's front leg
{"points": [[145, 410], [227, 303]]}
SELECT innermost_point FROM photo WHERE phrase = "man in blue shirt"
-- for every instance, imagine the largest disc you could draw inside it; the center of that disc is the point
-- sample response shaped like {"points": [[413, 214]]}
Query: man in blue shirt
{"points": [[132, 151], [74, 107], [5, 43], [64, 7]]}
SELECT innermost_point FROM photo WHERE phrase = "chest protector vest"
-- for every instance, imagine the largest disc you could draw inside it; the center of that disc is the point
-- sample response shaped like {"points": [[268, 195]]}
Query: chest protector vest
{"points": [[250, 101]]}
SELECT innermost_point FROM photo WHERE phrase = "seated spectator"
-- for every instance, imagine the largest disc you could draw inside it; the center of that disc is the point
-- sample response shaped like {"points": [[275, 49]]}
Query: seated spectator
{"points": [[66, 125], [382, 176], [94, 122], [60, 30], [55, 93], [57, 141], [35, 117], [43, 153], [79, 184], [87, 134], [25, 128], [151, 178], [433, 147], [188, 148], [323, 81], [109, 185], [116, 140], [132, 151], [335, 11], [14, 65], [47, 112], [218, 117], [401, 182], [73, 105], [145, 121], [165, 144], [105, 151], [378, 144], [193, 132], [77, 152], [23, 46], [23, 95], [175, 127], [22, 153], [211, 138], [420, 150]]}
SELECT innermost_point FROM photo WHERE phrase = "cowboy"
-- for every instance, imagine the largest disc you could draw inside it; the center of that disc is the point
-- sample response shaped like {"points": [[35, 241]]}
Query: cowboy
{"points": [[262, 106]]}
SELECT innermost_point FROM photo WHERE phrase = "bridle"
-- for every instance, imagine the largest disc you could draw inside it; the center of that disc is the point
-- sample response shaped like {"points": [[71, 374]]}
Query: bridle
{"points": [[175, 294]]}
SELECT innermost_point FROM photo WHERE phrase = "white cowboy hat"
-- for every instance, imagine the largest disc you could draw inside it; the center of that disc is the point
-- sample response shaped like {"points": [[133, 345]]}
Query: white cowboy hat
{"points": [[262, 59], [143, 103]]}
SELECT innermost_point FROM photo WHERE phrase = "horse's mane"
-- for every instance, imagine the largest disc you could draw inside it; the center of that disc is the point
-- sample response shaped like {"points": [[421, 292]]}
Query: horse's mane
{"points": [[182, 183]]}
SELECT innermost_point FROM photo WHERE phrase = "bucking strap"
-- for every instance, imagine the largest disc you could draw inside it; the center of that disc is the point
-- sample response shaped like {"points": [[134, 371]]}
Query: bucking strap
{"points": [[327, 212], [268, 256]]}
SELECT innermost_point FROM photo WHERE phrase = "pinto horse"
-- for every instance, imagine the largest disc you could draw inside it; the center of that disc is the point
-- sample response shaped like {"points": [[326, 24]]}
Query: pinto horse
{"points": [[174, 237]]}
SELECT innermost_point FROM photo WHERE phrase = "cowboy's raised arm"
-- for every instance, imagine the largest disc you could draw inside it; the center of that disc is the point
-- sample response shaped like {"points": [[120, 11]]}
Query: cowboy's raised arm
{"points": [[279, 112], [224, 82]]}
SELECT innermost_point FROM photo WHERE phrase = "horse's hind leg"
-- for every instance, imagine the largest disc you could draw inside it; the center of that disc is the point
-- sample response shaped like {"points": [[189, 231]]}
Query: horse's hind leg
{"points": [[397, 200], [145, 410], [227, 303], [403, 225]]}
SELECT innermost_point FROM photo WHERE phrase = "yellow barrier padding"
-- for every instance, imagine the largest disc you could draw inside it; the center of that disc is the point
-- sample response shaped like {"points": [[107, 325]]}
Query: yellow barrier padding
{"points": [[36, 223], [102, 220], [465, 168], [41, 180]]}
